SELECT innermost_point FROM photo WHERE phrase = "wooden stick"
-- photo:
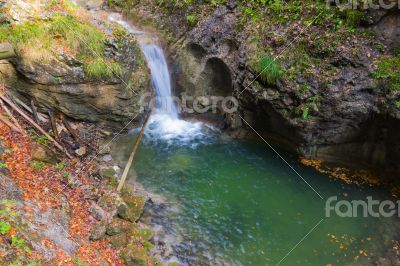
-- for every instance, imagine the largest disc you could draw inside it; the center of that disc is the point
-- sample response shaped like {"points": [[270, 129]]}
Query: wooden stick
{"points": [[54, 125], [13, 106], [34, 111], [11, 115], [8, 123], [42, 117], [69, 128], [130, 161]]}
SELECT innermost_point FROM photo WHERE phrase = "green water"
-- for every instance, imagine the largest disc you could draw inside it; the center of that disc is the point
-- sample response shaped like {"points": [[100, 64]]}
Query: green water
{"points": [[237, 203]]}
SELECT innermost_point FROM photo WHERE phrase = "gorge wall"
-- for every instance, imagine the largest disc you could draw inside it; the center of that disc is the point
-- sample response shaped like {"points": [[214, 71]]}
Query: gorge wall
{"points": [[331, 94]]}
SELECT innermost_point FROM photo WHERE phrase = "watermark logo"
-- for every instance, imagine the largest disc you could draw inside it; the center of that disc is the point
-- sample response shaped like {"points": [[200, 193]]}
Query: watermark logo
{"points": [[361, 208], [190, 104], [363, 4]]}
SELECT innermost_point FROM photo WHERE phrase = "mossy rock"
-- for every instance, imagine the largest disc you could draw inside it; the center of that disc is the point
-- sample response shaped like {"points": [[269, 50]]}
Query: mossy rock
{"points": [[132, 207], [118, 241], [98, 231], [134, 256], [109, 202], [118, 226], [107, 172]]}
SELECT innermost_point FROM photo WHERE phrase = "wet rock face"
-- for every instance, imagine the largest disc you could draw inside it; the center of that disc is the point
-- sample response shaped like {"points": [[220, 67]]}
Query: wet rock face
{"points": [[388, 29], [350, 125]]}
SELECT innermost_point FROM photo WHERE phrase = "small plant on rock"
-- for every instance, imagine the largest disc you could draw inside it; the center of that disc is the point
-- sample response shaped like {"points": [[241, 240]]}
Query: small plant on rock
{"points": [[268, 69]]}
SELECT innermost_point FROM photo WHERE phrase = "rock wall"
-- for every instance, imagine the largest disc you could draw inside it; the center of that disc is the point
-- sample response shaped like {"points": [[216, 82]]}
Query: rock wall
{"points": [[56, 79], [352, 118]]}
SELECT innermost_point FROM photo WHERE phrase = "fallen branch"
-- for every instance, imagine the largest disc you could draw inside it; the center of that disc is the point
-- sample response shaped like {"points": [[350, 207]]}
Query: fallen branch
{"points": [[54, 125], [42, 117], [15, 121], [34, 111], [9, 124], [27, 118], [136, 145], [69, 128]]}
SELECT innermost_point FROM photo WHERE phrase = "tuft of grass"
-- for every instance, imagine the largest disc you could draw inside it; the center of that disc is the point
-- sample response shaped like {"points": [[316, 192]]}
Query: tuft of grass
{"points": [[269, 69], [100, 68], [397, 103]]}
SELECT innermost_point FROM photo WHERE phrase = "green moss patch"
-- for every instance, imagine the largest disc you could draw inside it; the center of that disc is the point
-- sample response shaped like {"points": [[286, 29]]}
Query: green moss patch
{"points": [[388, 70]]}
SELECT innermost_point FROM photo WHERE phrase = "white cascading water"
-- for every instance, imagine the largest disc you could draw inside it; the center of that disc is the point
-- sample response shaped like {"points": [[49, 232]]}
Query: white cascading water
{"points": [[164, 123], [160, 79]]}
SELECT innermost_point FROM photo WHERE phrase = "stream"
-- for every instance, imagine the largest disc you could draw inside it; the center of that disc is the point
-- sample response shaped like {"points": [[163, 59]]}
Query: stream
{"points": [[235, 202]]}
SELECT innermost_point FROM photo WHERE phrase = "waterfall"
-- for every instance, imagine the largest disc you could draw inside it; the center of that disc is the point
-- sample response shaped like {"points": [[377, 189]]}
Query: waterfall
{"points": [[164, 122], [160, 79]]}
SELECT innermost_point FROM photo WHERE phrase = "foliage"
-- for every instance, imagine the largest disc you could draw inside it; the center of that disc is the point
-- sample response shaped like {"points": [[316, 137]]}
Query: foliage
{"points": [[42, 140], [397, 103], [388, 70], [19, 243], [3, 165], [59, 166], [5, 227], [269, 69], [38, 165], [192, 20]]}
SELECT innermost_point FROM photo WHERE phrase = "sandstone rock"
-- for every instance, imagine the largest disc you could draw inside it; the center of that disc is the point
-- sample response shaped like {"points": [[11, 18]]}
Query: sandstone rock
{"points": [[42, 154], [6, 51]]}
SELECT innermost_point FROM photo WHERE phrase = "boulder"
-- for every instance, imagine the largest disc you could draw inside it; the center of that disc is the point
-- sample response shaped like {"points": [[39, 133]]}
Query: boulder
{"points": [[118, 226], [131, 208], [118, 241], [42, 154], [98, 232]]}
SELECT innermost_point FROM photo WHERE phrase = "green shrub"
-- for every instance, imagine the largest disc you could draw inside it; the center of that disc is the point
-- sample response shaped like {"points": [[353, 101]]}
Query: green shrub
{"points": [[269, 69]]}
